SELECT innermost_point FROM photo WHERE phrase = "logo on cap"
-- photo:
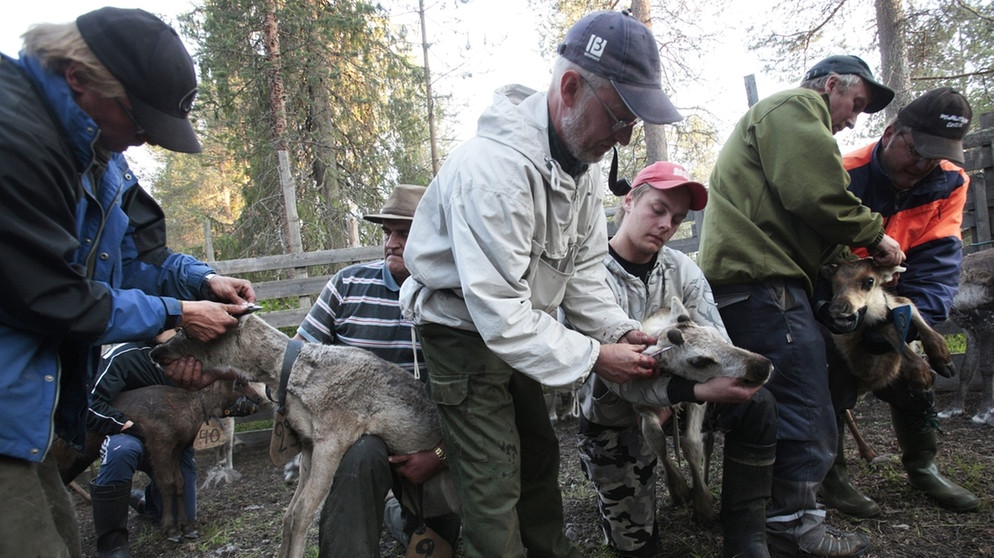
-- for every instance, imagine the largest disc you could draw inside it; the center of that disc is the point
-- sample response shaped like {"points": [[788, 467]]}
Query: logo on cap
{"points": [[186, 103], [595, 48], [954, 120]]}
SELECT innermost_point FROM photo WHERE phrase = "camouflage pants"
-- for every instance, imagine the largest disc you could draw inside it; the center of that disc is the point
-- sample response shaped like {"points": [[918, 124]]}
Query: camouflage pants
{"points": [[622, 468]]}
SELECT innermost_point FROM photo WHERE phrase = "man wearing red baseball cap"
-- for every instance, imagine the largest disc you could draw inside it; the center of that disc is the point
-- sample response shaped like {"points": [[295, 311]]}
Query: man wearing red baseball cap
{"points": [[645, 275], [83, 245]]}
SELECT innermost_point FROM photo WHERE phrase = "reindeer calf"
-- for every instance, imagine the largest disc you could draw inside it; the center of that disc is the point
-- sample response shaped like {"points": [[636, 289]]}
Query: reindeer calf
{"points": [[698, 353], [170, 418], [334, 395], [859, 287], [973, 311]]}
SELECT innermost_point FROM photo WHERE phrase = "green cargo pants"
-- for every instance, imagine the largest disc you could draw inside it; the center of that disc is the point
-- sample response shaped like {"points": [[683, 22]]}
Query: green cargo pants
{"points": [[503, 452]]}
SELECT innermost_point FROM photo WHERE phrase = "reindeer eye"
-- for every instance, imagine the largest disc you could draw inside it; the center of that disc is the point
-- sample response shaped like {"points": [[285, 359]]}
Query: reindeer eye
{"points": [[701, 362], [868, 284]]}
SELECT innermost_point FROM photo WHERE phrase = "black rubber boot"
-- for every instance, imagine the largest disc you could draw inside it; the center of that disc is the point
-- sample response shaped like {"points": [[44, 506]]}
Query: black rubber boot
{"points": [[839, 493], [110, 519], [917, 438], [745, 488]]}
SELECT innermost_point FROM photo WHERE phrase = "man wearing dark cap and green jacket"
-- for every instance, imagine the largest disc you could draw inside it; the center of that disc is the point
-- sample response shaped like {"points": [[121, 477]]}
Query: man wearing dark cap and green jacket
{"points": [[85, 262], [778, 204]]}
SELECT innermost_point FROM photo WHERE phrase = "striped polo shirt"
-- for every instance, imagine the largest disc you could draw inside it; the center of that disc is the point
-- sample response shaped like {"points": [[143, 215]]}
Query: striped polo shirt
{"points": [[359, 307]]}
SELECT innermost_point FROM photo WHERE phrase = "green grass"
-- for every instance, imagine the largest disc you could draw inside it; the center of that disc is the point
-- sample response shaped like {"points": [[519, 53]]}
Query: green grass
{"points": [[956, 342], [254, 425]]}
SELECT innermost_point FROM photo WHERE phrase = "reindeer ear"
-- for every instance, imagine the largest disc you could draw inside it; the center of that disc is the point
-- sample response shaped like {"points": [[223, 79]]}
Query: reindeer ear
{"points": [[675, 336], [828, 270]]}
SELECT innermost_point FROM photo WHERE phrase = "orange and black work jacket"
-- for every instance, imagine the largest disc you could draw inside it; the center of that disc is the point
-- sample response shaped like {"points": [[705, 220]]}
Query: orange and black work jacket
{"points": [[925, 219]]}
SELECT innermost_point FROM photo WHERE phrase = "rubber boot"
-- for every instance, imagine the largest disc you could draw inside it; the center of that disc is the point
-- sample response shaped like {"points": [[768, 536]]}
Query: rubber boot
{"points": [[917, 439], [839, 493], [745, 487], [110, 519]]}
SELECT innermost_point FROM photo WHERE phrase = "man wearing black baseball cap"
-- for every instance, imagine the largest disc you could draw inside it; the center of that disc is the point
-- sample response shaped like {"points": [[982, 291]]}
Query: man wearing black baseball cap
{"points": [[83, 250], [511, 229], [777, 204], [911, 175]]}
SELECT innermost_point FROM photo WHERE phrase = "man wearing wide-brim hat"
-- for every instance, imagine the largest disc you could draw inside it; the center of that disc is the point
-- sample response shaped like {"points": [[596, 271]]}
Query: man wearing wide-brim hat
{"points": [[359, 307], [913, 176]]}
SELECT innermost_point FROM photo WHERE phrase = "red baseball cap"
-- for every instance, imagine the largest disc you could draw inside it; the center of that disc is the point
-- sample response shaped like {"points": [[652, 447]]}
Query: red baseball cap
{"points": [[664, 175]]}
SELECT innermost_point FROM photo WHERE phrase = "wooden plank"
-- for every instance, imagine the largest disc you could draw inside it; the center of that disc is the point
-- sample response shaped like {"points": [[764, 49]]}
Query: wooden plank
{"points": [[285, 318], [981, 208], [304, 259], [265, 290]]}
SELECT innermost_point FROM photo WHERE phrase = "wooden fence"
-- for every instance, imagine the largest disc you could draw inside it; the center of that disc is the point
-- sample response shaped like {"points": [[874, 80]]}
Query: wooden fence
{"points": [[300, 288]]}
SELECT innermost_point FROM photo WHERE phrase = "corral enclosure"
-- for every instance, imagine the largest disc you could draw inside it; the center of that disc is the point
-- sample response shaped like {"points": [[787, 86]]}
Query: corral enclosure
{"points": [[243, 519]]}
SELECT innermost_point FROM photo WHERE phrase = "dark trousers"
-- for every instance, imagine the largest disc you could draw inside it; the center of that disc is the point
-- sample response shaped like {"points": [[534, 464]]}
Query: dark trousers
{"points": [[775, 319]]}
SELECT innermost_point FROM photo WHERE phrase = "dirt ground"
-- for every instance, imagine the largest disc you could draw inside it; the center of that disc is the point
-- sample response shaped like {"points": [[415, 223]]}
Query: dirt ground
{"points": [[243, 519]]}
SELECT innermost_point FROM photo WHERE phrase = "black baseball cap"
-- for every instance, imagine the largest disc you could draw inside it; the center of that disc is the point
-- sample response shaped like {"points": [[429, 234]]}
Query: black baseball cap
{"points": [[938, 120], [849, 64], [616, 46], [149, 59]]}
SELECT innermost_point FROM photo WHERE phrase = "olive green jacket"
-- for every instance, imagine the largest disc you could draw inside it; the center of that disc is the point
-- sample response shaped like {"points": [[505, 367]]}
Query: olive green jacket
{"points": [[778, 205]]}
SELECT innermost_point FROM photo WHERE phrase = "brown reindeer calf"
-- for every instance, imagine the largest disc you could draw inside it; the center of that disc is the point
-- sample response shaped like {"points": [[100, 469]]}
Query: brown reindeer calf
{"points": [[859, 287], [170, 418]]}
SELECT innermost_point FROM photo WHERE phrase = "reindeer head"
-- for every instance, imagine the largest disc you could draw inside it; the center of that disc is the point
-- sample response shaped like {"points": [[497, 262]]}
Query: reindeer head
{"points": [[858, 288], [699, 352]]}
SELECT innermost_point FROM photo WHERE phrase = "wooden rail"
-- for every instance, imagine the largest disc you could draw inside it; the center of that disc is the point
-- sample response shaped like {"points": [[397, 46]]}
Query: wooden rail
{"points": [[302, 288]]}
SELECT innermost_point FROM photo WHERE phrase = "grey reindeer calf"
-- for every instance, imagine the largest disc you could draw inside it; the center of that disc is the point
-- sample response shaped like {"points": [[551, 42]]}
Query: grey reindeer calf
{"points": [[696, 352], [334, 395]]}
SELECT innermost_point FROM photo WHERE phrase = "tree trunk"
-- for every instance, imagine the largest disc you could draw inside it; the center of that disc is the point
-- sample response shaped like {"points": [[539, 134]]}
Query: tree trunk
{"points": [[655, 134], [429, 96], [893, 53], [291, 224]]}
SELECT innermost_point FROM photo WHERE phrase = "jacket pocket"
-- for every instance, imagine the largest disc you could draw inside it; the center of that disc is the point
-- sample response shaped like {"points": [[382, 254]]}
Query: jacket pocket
{"points": [[448, 390]]}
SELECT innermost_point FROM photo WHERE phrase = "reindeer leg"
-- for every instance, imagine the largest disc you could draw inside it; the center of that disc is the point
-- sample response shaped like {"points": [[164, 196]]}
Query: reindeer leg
{"points": [[935, 348], [652, 431], [971, 362], [317, 471], [166, 484], [985, 412], [865, 450], [693, 450]]}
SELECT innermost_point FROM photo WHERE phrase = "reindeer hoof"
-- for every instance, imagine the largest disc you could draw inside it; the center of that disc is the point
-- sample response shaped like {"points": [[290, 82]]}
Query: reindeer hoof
{"points": [[191, 534], [954, 412], [173, 538], [983, 417]]}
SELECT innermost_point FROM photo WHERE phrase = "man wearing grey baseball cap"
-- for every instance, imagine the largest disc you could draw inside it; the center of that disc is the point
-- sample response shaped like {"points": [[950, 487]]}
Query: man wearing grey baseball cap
{"points": [[511, 229], [912, 175], [777, 205], [84, 256]]}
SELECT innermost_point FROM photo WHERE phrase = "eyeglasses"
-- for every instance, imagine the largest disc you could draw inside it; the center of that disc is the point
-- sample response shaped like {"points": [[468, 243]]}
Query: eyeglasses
{"points": [[139, 131], [913, 154], [619, 124]]}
